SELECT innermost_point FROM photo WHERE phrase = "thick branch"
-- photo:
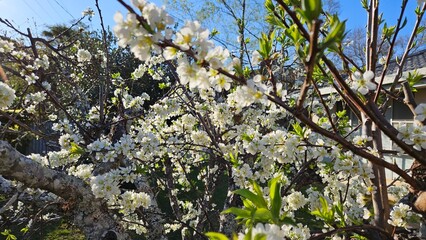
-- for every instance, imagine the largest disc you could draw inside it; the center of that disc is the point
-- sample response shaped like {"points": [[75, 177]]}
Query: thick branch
{"points": [[90, 214]]}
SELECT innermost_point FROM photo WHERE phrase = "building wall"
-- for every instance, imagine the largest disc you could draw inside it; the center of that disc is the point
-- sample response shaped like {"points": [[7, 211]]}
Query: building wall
{"points": [[403, 161]]}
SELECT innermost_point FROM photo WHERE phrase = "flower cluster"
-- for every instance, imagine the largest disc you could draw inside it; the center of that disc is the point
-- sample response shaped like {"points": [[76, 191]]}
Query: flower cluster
{"points": [[143, 40], [6, 46], [131, 200], [275, 232], [105, 186], [61, 158], [83, 55], [83, 171], [152, 67], [130, 102], [7, 95], [401, 216], [398, 192], [413, 134], [272, 232], [88, 12], [295, 201]]}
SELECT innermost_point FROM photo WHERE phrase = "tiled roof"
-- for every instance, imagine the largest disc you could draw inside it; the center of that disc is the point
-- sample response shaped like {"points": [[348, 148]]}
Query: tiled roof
{"points": [[414, 61]]}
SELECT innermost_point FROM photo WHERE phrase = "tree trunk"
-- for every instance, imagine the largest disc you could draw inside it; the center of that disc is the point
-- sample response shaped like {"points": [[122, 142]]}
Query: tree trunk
{"points": [[381, 181], [380, 194], [89, 213]]}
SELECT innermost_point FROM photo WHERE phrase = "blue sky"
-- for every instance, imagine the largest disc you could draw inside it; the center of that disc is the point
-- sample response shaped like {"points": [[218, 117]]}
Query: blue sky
{"points": [[38, 13]]}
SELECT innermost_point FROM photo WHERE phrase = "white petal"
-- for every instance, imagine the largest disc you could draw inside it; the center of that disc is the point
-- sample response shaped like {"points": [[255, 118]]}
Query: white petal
{"points": [[371, 86], [118, 17], [420, 109], [356, 75], [363, 90], [369, 75]]}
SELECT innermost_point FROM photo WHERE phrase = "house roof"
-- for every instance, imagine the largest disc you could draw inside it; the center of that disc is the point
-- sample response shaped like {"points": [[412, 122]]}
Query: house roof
{"points": [[413, 62]]}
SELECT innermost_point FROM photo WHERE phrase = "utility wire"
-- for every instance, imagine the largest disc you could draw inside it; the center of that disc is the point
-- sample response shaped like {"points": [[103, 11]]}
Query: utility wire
{"points": [[64, 9], [32, 9], [54, 9], [45, 11]]}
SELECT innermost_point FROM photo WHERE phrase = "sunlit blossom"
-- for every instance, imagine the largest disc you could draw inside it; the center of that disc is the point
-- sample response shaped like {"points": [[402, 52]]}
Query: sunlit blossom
{"points": [[363, 83], [7, 95]]}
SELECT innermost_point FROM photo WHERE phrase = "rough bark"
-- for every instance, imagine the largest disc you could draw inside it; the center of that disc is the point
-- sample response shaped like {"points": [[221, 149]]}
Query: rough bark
{"points": [[380, 177], [379, 196], [89, 213]]}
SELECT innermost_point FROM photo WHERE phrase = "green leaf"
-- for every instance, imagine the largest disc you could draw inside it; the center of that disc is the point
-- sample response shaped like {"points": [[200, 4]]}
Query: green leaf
{"points": [[325, 212], [248, 204], [272, 19], [246, 72], [256, 188], [258, 201], [147, 27], [335, 34], [247, 137], [214, 33], [75, 149], [234, 159], [269, 5], [311, 9], [115, 75], [265, 44], [420, 29], [8, 234], [298, 130], [275, 197], [418, 11], [364, 4], [262, 215], [260, 236], [240, 213], [341, 114], [413, 78], [339, 210], [248, 234], [287, 220], [387, 32], [403, 23], [163, 86], [238, 70], [216, 236]]}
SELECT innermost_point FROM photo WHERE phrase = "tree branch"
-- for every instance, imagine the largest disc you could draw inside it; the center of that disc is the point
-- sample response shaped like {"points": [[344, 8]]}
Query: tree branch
{"points": [[90, 214]]}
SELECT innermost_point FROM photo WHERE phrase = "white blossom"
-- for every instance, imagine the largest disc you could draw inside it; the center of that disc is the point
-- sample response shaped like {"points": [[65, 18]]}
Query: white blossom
{"points": [[83, 55], [296, 200], [363, 83], [401, 215], [420, 112], [7, 95], [88, 12]]}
